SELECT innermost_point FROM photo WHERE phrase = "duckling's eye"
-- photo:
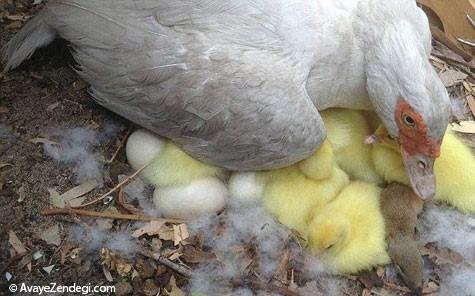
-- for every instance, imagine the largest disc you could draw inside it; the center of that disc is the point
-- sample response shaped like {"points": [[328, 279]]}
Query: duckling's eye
{"points": [[408, 120], [330, 246], [390, 137]]}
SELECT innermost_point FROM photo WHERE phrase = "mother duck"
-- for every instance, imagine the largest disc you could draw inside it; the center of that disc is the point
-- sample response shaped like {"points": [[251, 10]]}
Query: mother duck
{"points": [[239, 83]]}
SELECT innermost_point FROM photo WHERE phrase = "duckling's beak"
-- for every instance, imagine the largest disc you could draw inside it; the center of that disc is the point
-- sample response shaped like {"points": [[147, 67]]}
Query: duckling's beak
{"points": [[420, 169]]}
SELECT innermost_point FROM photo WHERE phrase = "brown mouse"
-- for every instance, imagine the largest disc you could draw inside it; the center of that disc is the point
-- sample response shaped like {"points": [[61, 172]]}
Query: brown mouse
{"points": [[400, 207]]}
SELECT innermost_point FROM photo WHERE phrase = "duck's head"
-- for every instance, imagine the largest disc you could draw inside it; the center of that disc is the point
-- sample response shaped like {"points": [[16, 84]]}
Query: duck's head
{"points": [[410, 99], [327, 233]]}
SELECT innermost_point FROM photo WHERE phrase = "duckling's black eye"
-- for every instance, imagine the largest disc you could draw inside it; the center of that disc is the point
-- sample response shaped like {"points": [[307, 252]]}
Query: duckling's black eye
{"points": [[408, 120], [390, 137], [329, 246]]}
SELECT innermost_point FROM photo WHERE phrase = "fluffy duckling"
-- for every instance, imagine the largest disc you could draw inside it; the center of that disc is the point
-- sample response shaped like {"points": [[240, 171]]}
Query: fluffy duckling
{"points": [[292, 193], [347, 131], [349, 232], [454, 183], [292, 197], [185, 187], [400, 207]]}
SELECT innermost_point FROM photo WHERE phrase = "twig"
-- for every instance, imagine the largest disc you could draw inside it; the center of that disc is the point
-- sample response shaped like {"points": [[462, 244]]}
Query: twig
{"points": [[281, 272], [180, 269], [121, 144], [122, 183], [106, 215]]}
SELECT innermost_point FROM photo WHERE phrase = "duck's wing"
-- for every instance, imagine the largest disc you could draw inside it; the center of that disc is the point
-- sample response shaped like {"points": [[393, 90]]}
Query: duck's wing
{"points": [[224, 79]]}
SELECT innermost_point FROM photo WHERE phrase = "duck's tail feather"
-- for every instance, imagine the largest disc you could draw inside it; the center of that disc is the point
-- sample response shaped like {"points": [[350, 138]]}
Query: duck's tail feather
{"points": [[35, 34]]}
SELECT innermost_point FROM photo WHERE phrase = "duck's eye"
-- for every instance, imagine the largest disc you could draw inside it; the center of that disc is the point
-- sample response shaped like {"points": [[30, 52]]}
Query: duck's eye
{"points": [[390, 137], [329, 246], [408, 120]]}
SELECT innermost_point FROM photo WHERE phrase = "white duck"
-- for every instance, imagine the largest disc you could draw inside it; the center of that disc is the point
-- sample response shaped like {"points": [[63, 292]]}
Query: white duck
{"points": [[239, 83]]}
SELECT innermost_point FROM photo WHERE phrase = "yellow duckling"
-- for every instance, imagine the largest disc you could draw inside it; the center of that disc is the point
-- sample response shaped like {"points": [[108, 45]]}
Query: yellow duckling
{"points": [[349, 232], [292, 193], [347, 131], [455, 184], [185, 187]]}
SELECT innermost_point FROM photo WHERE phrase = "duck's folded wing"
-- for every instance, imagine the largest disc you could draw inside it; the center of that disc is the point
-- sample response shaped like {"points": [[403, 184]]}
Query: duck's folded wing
{"points": [[221, 78]]}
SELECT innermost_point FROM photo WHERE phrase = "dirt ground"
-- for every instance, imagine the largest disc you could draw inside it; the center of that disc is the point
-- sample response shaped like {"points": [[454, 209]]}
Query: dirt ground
{"points": [[40, 96], [25, 95]]}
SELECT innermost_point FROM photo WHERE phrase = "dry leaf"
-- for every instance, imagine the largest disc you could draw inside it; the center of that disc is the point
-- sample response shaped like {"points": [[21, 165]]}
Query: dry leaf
{"points": [[3, 165], [4, 110], [466, 127], [71, 197], [452, 77], [194, 256], [39, 140], [151, 228], [16, 243], [51, 235]]}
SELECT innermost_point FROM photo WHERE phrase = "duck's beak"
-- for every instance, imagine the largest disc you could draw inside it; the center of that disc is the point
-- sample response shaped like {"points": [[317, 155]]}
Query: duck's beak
{"points": [[420, 169]]}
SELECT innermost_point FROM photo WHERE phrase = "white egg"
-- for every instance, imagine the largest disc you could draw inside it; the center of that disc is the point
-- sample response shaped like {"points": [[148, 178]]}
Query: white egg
{"points": [[246, 188], [142, 146], [203, 196]]}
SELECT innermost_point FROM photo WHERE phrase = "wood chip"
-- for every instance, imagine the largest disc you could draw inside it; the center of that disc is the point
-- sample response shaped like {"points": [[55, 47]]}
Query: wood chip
{"points": [[466, 127], [4, 110], [151, 228], [180, 233]]}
